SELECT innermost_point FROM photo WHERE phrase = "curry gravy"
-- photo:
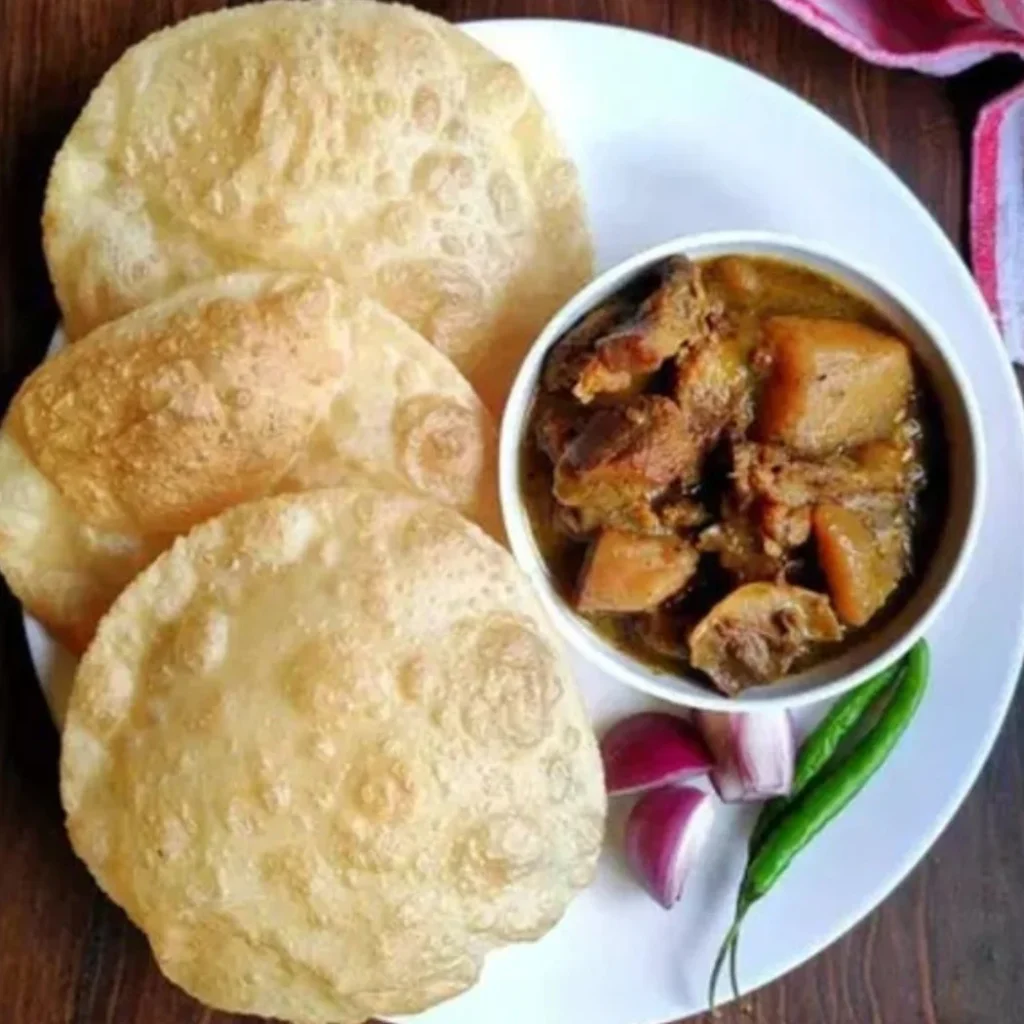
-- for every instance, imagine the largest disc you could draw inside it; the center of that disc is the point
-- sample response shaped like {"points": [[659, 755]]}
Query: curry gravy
{"points": [[771, 289]]}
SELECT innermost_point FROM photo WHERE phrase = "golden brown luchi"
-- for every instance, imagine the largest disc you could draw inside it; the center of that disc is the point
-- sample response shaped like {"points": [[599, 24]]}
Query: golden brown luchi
{"points": [[367, 141], [232, 389]]}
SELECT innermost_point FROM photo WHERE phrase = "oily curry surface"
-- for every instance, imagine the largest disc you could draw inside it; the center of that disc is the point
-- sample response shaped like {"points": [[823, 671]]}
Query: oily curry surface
{"points": [[734, 467]]}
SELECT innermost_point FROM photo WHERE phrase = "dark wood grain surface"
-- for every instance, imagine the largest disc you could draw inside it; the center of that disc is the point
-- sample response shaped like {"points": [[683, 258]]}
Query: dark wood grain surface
{"points": [[944, 949]]}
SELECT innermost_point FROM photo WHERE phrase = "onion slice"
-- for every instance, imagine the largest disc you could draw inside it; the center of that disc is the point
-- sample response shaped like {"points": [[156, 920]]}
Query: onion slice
{"points": [[652, 749], [754, 753], [665, 834]]}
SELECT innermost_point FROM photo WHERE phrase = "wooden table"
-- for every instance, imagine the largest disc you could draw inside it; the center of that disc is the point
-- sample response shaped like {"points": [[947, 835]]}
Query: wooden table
{"points": [[943, 950]]}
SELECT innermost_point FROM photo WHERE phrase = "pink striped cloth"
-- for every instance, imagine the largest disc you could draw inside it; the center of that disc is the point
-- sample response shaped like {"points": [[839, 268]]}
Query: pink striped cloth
{"points": [[942, 37]]}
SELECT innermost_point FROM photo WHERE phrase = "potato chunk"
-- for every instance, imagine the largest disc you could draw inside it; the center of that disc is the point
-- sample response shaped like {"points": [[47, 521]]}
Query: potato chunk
{"points": [[862, 565], [832, 384], [625, 572]]}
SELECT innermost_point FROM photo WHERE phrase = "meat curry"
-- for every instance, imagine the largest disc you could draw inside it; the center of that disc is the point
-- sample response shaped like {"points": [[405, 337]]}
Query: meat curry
{"points": [[733, 466]]}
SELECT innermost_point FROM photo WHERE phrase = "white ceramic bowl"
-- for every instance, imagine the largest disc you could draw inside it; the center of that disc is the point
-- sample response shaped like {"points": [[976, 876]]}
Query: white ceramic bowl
{"points": [[966, 478]]}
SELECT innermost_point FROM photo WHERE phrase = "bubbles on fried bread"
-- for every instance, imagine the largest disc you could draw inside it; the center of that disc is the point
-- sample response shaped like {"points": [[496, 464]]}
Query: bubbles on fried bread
{"points": [[432, 530], [441, 446], [505, 199], [498, 93], [201, 638], [515, 683], [425, 109], [385, 104], [495, 852], [412, 677], [443, 176], [383, 788]]}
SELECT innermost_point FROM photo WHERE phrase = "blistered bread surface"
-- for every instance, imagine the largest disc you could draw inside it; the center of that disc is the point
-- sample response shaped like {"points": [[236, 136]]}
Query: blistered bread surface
{"points": [[368, 141], [229, 390], [326, 753]]}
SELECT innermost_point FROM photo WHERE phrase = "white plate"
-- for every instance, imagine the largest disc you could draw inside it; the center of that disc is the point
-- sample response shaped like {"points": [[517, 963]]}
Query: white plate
{"points": [[671, 140]]}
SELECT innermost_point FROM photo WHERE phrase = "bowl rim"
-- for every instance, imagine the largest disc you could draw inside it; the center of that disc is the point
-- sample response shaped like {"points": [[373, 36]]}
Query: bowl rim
{"points": [[621, 666]]}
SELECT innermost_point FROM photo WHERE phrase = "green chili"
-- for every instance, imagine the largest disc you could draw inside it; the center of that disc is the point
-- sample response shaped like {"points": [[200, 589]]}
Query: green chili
{"points": [[827, 796], [820, 746], [826, 793]]}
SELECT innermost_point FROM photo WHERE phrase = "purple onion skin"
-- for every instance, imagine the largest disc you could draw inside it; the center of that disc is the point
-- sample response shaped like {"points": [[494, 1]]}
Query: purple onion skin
{"points": [[739, 774], [665, 834], [652, 749]]}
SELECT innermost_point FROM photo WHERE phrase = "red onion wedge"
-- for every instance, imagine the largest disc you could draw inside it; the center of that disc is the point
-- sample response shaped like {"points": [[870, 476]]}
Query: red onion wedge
{"points": [[754, 753], [665, 834], [652, 749]]}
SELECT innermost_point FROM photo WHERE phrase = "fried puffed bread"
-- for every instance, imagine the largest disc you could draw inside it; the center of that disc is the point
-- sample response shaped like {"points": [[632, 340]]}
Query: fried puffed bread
{"points": [[327, 753], [230, 390]]}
